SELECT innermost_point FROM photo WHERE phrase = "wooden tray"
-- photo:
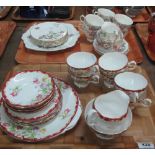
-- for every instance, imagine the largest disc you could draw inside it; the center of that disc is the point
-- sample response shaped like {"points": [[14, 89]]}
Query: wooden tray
{"points": [[6, 30], [142, 17], [27, 56], [142, 30], [16, 16], [141, 130], [151, 9], [4, 12]]}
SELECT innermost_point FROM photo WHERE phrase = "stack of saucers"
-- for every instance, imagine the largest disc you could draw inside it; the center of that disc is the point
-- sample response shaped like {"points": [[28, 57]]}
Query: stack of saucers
{"points": [[34, 102]]}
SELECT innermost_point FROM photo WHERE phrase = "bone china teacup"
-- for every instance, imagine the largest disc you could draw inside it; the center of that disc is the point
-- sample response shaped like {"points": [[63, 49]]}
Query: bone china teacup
{"points": [[112, 63], [109, 37], [124, 22], [135, 85], [90, 25], [106, 14], [83, 69]]}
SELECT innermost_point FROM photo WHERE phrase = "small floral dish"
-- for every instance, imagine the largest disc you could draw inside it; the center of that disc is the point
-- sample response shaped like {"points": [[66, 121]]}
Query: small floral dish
{"points": [[28, 89]]}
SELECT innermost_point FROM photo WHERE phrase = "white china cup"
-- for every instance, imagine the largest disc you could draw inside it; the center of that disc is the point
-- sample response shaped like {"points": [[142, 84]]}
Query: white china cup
{"points": [[106, 14], [90, 25], [83, 69], [124, 22], [108, 114], [109, 37], [111, 64], [135, 85]]}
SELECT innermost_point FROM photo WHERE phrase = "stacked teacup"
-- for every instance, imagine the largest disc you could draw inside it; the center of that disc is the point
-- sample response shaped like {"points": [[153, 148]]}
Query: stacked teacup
{"points": [[82, 69], [111, 64], [91, 24]]}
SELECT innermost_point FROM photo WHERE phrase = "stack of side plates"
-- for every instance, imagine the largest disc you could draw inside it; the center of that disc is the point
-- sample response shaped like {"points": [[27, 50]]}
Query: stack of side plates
{"points": [[50, 36], [35, 106]]}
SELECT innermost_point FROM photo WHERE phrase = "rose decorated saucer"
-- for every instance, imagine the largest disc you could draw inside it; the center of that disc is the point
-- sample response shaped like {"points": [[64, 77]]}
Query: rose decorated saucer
{"points": [[28, 89], [72, 38], [100, 50], [66, 119], [108, 128], [47, 112]]}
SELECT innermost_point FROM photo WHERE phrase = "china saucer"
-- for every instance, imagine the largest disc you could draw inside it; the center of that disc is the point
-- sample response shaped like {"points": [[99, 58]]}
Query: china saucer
{"points": [[100, 50]]}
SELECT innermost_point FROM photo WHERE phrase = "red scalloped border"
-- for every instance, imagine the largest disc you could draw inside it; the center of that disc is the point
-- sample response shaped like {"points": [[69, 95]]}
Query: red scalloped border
{"points": [[34, 105], [50, 136], [24, 120]]}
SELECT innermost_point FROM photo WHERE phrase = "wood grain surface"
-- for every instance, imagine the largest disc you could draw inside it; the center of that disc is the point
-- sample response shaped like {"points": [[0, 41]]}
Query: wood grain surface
{"points": [[142, 30], [16, 16], [27, 56], [6, 30], [141, 130], [140, 18]]}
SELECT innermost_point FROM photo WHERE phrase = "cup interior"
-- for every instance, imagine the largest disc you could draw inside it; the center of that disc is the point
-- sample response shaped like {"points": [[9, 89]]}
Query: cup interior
{"points": [[81, 60], [113, 61], [123, 19], [106, 12], [131, 81], [110, 28], [94, 20], [112, 105]]}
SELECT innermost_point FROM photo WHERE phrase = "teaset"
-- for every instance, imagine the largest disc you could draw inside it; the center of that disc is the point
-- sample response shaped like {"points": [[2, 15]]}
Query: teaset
{"points": [[106, 30], [37, 106], [110, 114]]}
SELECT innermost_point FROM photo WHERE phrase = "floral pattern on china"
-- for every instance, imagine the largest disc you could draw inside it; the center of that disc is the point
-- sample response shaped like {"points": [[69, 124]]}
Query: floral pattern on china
{"points": [[66, 119], [28, 88], [48, 34], [71, 38]]}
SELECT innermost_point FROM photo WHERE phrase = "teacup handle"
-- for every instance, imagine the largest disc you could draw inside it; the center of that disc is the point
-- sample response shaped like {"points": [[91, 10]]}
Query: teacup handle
{"points": [[95, 12], [95, 69], [131, 65], [143, 102], [94, 79], [91, 117], [82, 18]]}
